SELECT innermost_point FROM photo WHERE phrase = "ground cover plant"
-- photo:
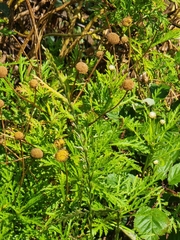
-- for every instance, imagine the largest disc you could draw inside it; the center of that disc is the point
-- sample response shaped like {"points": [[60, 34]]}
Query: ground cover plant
{"points": [[89, 108]]}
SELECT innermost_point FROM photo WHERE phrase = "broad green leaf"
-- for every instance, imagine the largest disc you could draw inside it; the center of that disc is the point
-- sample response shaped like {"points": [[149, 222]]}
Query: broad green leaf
{"points": [[151, 223], [174, 174]]}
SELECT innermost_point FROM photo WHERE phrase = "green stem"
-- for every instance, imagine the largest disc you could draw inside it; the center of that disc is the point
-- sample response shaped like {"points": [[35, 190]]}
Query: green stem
{"points": [[67, 185], [117, 228], [90, 219], [111, 108]]}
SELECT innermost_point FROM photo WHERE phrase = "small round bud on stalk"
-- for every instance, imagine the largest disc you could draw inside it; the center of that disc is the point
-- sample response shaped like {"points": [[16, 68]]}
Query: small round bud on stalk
{"points": [[3, 72], [113, 38], [82, 67], [152, 115], [128, 84], [59, 143], [156, 162], [62, 155], [36, 153], [124, 39], [162, 121], [127, 21], [1, 103], [33, 83], [19, 135], [112, 67], [99, 54]]}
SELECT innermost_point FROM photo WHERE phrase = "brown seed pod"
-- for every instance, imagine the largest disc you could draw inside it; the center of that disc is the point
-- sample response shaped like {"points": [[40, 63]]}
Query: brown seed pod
{"points": [[59, 143], [3, 72], [82, 67], [144, 77], [36, 153], [62, 155], [124, 39], [113, 38], [19, 135], [1, 103], [127, 21], [99, 54], [128, 84], [33, 83]]}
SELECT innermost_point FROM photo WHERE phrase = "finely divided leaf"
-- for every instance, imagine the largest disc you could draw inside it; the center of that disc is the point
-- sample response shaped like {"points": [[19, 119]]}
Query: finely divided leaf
{"points": [[172, 34]]}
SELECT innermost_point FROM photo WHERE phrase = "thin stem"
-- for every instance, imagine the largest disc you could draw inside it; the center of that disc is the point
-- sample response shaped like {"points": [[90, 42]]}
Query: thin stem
{"points": [[88, 79], [28, 125], [4, 140], [23, 171], [129, 60], [67, 185], [117, 228], [74, 84], [109, 109], [73, 35], [22, 97], [90, 196]]}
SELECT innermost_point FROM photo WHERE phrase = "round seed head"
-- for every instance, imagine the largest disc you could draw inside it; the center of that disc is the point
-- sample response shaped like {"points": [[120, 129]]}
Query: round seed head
{"points": [[59, 143], [19, 135], [124, 39], [82, 67], [113, 38], [127, 21], [62, 155], [33, 83], [99, 54], [1, 103], [128, 84], [3, 72], [36, 153]]}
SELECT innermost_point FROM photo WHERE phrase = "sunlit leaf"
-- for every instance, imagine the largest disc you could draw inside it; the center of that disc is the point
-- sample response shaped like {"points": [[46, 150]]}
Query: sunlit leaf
{"points": [[174, 174], [151, 223]]}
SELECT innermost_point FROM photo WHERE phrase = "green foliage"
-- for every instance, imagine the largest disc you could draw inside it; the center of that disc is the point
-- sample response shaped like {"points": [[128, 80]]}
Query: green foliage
{"points": [[151, 221], [174, 175], [121, 178]]}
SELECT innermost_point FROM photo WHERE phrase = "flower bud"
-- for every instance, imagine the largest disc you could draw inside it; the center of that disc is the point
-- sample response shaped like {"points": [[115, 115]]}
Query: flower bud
{"points": [[162, 121], [152, 115], [112, 67]]}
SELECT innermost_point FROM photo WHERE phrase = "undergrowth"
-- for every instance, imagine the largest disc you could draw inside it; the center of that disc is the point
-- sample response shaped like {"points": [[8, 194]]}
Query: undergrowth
{"points": [[93, 152]]}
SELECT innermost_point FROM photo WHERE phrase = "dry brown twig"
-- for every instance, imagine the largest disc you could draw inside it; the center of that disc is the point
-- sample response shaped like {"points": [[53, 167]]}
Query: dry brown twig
{"points": [[71, 27], [85, 31]]}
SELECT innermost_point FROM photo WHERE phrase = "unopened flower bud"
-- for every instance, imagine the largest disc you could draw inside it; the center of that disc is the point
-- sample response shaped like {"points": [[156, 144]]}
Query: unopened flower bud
{"points": [[152, 115], [162, 121]]}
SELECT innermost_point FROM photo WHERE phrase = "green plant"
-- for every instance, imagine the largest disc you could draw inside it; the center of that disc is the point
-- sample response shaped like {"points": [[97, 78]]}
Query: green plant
{"points": [[93, 152]]}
